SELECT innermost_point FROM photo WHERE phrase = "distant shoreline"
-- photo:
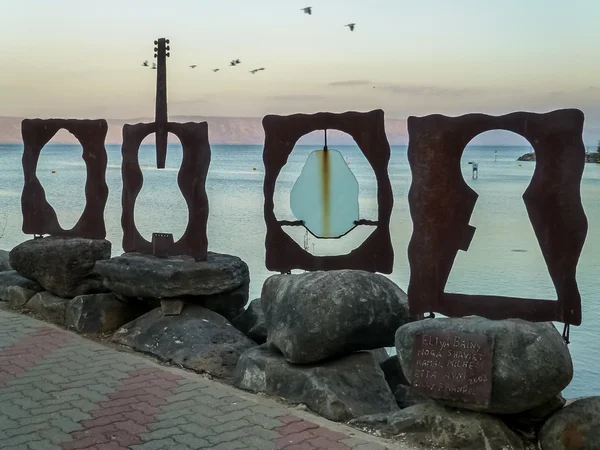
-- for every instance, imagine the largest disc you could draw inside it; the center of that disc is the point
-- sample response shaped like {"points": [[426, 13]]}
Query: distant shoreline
{"points": [[590, 157]]}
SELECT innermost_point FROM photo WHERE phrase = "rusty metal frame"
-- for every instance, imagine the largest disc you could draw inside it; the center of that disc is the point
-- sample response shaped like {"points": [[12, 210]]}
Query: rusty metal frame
{"points": [[39, 217], [441, 204], [192, 184], [283, 254]]}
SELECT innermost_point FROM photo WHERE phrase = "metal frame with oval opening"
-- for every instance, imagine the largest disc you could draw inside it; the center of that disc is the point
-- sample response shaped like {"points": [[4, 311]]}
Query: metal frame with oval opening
{"points": [[283, 254], [441, 204], [39, 217]]}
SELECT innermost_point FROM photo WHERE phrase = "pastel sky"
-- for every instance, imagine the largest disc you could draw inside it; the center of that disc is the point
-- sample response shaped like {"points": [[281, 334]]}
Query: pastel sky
{"points": [[80, 58]]}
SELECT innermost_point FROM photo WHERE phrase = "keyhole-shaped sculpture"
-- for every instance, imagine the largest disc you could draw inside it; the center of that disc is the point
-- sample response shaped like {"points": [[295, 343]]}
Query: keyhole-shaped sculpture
{"points": [[441, 204], [325, 195]]}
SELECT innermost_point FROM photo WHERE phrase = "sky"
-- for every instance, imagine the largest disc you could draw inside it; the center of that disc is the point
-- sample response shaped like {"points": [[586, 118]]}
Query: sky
{"points": [[74, 58]]}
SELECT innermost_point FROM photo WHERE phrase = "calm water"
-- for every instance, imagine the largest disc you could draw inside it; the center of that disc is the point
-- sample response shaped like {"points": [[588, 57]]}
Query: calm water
{"points": [[491, 266]]}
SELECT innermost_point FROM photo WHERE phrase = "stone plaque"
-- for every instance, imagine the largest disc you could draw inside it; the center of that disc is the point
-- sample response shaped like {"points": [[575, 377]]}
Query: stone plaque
{"points": [[453, 366]]}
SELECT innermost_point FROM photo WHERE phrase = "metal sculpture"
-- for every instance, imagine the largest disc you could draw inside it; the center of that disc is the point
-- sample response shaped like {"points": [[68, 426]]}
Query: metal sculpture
{"points": [[283, 254], [191, 179], [39, 217], [441, 204]]}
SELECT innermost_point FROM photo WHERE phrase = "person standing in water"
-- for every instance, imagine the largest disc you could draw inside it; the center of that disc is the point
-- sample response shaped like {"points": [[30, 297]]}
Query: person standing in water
{"points": [[475, 169]]}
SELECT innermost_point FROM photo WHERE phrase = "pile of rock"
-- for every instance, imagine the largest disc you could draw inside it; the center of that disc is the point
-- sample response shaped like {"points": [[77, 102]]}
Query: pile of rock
{"points": [[174, 308], [531, 365], [320, 329], [323, 336]]}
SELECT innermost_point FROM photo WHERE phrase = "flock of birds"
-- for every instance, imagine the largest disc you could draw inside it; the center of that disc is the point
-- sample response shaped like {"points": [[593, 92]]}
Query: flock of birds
{"points": [[235, 62]]}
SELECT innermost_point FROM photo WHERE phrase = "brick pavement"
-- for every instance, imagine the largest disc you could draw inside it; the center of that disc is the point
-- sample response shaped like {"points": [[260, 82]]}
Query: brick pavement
{"points": [[60, 391]]}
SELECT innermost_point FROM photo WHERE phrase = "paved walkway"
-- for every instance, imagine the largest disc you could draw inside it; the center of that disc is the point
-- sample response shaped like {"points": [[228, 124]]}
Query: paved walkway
{"points": [[59, 390]]}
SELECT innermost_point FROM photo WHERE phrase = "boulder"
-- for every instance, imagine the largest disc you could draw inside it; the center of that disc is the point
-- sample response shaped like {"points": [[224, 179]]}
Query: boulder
{"points": [[592, 157], [397, 382], [228, 304], [527, 157], [49, 307], [18, 296], [406, 397], [62, 266], [251, 322], [12, 278], [393, 372], [339, 390], [430, 425], [171, 307], [531, 361], [146, 276], [4, 261], [197, 339], [574, 427], [315, 316], [380, 355], [97, 313], [528, 423]]}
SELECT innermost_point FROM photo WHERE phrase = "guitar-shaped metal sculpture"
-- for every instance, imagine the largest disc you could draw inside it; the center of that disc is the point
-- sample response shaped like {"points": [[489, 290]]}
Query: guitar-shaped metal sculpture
{"points": [[191, 179], [161, 52]]}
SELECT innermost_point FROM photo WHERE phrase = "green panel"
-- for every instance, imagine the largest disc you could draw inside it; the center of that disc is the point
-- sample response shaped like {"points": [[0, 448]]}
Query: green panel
{"points": [[325, 195]]}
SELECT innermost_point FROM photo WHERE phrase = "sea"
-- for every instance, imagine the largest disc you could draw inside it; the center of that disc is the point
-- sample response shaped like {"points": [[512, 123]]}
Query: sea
{"points": [[504, 257]]}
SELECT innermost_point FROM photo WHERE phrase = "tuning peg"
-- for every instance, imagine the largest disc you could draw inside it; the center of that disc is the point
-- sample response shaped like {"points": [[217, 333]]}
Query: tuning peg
{"points": [[167, 41], [155, 55], [168, 54], [155, 42], [168, 48]]}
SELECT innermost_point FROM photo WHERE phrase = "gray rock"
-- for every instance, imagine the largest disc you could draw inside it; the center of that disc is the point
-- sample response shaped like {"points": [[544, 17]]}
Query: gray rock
{"points": [[49, 307], [339, 390], [171, 307], [97, 313], [4, 261], [528, 423], [380, 355], [198, 339], [527, 157], [434, 426], [315, 316], [17, 296], [251, 322], [12, 278], [146, 276], [406, 397], [228, 304], [531, 362], [574, 427], [397, 382], [393, 372], [62, 266]]}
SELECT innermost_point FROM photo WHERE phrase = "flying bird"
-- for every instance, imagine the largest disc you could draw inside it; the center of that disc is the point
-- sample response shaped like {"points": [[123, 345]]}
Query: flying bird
{"points": [[234, 62], [154, 66], [145, 63], [351, 26], [256, 70], [193, 66], [307, 10], [216, 70]]}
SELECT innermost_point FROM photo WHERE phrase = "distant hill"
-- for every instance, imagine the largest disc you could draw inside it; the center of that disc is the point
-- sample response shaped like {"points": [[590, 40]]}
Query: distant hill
{"points": [[248, 130], [222, 130]]}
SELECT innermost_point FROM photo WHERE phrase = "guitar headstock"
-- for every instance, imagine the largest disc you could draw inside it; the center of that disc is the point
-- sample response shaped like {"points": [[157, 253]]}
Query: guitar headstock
{"points": [[162, 47]]}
